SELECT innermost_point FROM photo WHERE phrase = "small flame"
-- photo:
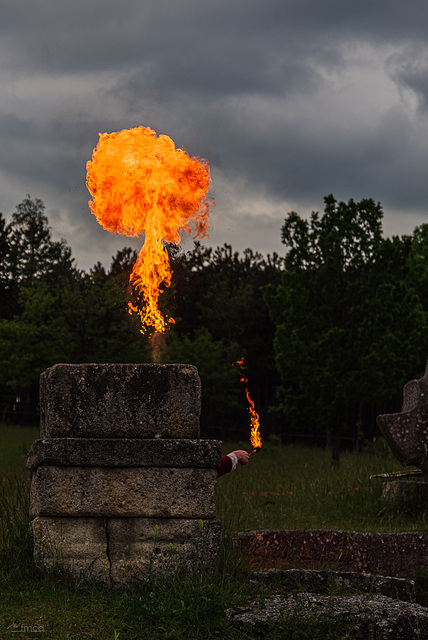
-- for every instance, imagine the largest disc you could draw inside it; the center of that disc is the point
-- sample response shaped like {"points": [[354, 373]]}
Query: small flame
{"points": [[141, 184], [255, 437]]}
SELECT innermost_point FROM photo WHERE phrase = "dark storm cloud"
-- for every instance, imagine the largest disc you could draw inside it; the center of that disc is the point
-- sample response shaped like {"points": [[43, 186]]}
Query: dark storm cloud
{"points": [[289, 100], [409, 68]]}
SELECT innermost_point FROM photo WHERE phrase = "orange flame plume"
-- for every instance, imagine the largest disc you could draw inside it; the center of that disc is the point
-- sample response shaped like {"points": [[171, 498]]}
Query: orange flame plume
{"points": [[141, 184], [255, 437]]}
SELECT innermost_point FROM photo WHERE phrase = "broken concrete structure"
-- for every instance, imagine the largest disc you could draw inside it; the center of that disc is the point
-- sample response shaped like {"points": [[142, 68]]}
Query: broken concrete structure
{"points": [[407, 432], [121, 484], [399, 555], [357, 617]]}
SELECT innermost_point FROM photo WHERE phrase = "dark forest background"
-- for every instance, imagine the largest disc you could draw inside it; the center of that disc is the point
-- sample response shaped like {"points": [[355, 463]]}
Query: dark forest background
{"points": [[330, 331]]}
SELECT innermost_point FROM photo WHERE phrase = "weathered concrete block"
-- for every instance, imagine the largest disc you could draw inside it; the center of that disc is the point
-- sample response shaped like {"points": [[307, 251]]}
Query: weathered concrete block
{"points": [[131, 492], [140, 545], [406, 491], [398, 555], [124, 452], [120, 401], [122, 551], [77, 544], [121, 484]]}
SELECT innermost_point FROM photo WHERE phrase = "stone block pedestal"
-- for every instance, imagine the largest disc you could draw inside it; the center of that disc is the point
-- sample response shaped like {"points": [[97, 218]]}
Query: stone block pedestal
{"points": [[121, 484]]}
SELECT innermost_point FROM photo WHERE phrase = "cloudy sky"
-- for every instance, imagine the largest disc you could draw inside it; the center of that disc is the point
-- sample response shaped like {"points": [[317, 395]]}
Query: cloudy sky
{"points": [[289, 100]]}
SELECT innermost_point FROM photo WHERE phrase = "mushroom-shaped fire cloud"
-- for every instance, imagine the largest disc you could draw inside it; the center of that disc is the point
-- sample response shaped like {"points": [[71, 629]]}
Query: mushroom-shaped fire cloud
{"points": [[142, 185]]}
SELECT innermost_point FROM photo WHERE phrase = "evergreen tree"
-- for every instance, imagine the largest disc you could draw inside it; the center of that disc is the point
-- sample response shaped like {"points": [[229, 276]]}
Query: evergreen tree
{"points": [[31, 251]]}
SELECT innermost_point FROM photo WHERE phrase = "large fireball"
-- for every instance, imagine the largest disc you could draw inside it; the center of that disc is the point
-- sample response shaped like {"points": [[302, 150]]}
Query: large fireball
{"points": [[142, 185]]}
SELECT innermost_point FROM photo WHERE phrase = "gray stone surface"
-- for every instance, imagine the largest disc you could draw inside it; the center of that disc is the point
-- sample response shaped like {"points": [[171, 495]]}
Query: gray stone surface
{"points": [[120, 401], [365, 617], [116, 492], [405, 491], [77, 544], [121, 483], [124, 452], [123, 551], [332, 581], [400, 555], [407, 432], [141, 545]]}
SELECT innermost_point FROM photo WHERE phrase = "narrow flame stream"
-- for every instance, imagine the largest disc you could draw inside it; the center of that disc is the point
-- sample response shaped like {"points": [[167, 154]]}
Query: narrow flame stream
{"points": [[255, 437]]}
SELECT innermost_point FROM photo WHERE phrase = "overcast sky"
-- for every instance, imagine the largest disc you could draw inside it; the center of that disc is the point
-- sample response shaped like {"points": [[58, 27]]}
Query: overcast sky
{"points": [[289, 100]]}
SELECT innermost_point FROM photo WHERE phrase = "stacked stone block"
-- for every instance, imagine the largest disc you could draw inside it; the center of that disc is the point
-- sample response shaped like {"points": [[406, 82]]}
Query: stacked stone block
{"points": [[121, 483]]}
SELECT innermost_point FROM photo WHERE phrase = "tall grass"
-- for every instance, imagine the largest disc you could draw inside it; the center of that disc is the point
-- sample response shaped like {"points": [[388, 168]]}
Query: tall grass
{"points": [[15, 442], [14, 505]]}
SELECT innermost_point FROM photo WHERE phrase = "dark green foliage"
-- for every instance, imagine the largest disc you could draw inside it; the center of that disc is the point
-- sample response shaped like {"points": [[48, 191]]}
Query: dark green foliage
{"points": [[350, 326], [218, 297], [330, 333], [53, 312], [213, 359]]}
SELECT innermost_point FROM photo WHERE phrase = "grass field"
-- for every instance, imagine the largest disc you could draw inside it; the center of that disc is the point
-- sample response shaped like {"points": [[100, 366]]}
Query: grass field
{"points": [[281, 487], [293, 487]]}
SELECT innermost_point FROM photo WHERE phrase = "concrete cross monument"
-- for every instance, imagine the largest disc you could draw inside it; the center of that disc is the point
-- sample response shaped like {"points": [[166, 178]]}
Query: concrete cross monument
{"points": [[407, 432]]}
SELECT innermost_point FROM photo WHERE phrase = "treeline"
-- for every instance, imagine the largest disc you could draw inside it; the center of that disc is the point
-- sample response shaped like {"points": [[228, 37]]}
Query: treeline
{"points": [[350, 317], [52, 312], [330, 332]]}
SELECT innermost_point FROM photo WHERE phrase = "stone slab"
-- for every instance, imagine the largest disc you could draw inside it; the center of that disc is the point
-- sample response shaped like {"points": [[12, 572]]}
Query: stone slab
{"points": [[400, 555], [139, 546], [77, 544], [358, 617], [116, 492], [120, 401], [124, 452]]}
